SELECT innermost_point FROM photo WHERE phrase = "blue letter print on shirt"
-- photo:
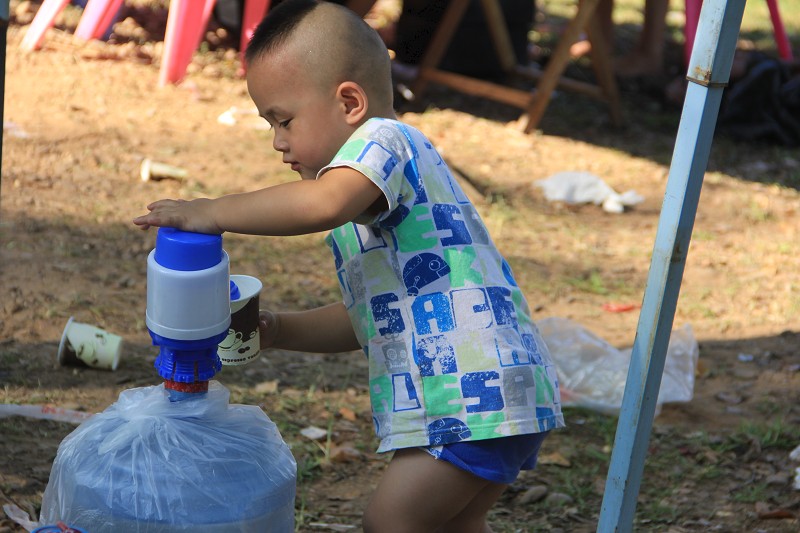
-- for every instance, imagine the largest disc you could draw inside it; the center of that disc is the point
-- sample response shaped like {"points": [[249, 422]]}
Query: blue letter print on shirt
{"points": [[471, 309], [338, 260], [377, 157], [533, 350], [405, 395], [449, 217], [502, 305], [369, 238], [430, 350], [510, 348], [432, 309], [473, 385], [382, 312]]}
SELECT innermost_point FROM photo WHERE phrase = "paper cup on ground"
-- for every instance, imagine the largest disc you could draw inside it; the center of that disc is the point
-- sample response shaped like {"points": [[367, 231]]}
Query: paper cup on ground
{"points": [[153, 170], [243, 343], [87, 345]]}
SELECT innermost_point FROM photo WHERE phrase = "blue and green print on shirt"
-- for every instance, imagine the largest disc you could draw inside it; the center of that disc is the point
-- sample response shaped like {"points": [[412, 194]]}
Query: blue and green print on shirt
{"points": [[453, 352]]}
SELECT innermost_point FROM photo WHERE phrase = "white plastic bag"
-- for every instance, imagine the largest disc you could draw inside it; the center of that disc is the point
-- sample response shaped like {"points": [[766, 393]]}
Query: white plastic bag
{"points": [[592, 373], [585, 187], [147, 464]]}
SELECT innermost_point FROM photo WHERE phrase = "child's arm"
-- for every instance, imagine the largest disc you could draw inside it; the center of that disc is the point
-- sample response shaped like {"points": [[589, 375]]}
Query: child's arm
{"points": [[294, 208], [322, 330]]}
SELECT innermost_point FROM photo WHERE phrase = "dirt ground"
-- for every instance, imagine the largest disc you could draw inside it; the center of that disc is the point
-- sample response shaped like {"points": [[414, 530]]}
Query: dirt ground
{"points": [[81, 118]]}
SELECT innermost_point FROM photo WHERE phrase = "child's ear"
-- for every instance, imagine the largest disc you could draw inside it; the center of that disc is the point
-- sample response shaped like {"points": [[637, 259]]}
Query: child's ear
{"points": [[353, 100]]}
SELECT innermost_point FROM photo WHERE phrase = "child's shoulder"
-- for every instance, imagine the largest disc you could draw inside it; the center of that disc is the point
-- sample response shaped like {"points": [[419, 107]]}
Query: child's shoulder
{"points": [[388, 128]]}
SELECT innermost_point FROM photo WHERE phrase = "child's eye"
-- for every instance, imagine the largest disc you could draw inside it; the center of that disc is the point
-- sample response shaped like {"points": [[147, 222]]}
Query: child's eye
{"points": [[284, 123]]}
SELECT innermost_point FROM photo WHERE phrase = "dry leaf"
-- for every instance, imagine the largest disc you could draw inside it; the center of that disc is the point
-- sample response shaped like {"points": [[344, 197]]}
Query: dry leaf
{"points": [[345, 454], [348, 414], [267, 387]]}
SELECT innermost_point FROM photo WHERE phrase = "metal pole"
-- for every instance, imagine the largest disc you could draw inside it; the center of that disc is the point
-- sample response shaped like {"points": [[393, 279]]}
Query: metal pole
{"points": [[4, 12], [709, 69]]}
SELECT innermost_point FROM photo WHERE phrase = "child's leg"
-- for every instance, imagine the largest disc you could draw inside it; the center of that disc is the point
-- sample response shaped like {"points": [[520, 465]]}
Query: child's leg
{"points": [[420, 494]]}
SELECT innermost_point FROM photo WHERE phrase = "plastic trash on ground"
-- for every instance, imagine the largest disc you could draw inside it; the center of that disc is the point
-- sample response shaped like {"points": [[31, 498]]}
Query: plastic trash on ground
{"points": [[585, 187], [147, 464], [592, 373]]}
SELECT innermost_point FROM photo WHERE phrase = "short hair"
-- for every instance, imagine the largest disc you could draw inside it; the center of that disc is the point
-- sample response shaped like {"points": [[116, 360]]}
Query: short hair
{"points": [[277, 26], [352, 49]]}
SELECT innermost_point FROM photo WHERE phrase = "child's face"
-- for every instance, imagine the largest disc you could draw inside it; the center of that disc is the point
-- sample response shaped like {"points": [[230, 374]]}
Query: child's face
{"points": [[307, 119]]}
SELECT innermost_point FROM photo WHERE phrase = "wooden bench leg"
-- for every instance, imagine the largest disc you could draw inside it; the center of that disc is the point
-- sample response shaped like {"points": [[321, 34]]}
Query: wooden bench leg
{"points": [[556, 66], [438, 45], [604, 70]]}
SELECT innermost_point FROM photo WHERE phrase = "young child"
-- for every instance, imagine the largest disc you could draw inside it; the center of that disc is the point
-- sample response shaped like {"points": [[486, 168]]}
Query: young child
{"points": [[462, 386]]}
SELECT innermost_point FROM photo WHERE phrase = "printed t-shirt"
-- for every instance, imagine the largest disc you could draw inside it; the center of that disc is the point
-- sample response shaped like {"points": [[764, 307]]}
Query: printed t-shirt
{"points": [[453, 352]]}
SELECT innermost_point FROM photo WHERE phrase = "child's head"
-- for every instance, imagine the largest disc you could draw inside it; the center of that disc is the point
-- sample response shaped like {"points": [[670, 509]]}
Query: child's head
{"points": [[316, 71]]}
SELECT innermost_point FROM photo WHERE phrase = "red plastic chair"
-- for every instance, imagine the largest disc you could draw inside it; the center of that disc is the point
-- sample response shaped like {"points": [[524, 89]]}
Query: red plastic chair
{"points": [[186, 23], [693, 15]]}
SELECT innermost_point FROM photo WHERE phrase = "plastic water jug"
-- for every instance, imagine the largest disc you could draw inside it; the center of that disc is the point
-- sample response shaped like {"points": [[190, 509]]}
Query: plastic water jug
{"points": [[150, 465]]}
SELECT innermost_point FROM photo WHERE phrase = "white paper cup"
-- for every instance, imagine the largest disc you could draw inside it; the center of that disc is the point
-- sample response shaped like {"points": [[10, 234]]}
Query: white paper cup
{"points": [[243, 343], [87, 345], [153, 170]]}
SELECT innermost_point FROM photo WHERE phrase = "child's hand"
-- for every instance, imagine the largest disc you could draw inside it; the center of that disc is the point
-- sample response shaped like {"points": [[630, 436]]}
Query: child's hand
{"points": [[268, 327], [193, 216]]}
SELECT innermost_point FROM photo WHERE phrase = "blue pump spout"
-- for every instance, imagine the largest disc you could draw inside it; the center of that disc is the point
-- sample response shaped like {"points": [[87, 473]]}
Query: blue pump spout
{"points": [[187, 361]]}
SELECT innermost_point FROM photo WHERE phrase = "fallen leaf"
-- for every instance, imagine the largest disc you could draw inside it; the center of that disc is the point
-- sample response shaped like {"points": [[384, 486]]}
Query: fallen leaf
{"points": [[554, 458], [344, 454], [348, 414], [267, 387], [764, 512]]}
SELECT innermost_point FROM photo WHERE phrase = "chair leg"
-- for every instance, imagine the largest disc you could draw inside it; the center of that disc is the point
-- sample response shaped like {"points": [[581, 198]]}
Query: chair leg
{"points": [[182, 37], [693, 16], [692, 8], [43, 21], [254, 13], [108, 19], [784, 48], [98, 15]]}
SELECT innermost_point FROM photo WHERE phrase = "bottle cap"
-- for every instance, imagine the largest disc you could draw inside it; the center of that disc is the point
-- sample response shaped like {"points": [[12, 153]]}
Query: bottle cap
{"points": [[187, 251]]}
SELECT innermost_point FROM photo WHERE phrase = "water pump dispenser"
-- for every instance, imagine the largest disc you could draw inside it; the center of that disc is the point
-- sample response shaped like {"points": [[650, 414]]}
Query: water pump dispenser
{"points": [[188, 307]]}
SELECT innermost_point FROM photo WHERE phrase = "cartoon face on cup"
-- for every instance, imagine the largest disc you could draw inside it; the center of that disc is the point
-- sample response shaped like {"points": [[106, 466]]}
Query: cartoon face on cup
{"points": [[87, 345], [243, 343]]}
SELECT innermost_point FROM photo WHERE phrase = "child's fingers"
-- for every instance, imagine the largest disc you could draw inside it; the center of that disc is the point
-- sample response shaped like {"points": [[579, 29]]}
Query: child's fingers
{"points": [[163, 203]]}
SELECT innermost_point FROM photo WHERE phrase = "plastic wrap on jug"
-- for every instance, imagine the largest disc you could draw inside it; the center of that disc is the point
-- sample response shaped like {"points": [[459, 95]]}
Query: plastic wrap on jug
{"points": [[148, 464]]}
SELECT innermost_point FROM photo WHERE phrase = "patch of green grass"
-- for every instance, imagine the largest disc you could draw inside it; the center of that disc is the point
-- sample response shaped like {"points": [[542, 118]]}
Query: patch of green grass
{"points": [[756, 213], [751, 493], [703, 235], [661, 513], [776, 434], [593, 282]]}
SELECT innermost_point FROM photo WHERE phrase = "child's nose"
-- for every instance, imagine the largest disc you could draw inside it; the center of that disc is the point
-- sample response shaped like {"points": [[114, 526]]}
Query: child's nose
{"points": [[279, 143]]}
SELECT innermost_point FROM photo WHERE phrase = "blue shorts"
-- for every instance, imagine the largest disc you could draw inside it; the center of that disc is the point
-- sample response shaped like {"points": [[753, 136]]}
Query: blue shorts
{"points": [[498, 460]]}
